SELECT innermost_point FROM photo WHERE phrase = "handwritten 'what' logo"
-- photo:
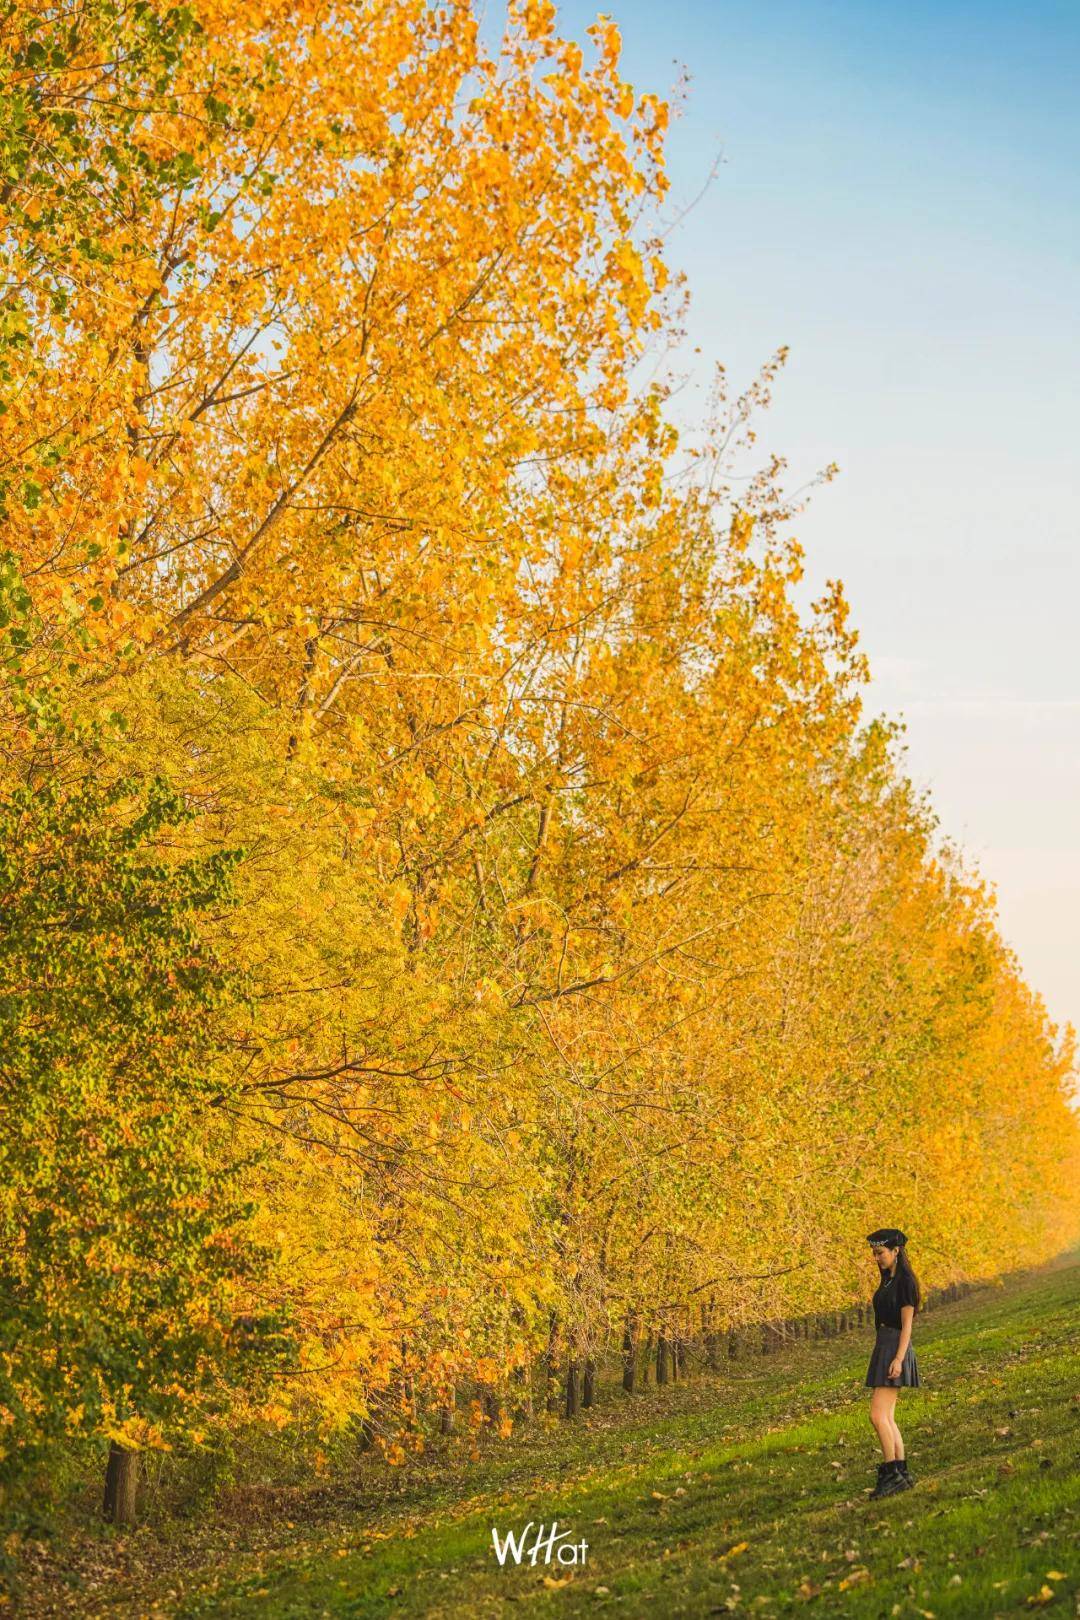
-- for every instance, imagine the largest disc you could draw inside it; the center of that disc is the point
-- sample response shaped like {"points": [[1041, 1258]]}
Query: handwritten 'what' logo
{"points": [[547, 1546]]}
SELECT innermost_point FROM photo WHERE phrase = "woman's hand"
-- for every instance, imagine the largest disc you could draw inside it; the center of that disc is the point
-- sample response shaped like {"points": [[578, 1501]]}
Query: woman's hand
{"points": [[895, 1366]]}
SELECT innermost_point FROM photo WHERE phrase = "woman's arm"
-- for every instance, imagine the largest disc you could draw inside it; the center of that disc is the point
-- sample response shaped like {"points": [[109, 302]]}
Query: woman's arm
{"points": [[907, 1316]]}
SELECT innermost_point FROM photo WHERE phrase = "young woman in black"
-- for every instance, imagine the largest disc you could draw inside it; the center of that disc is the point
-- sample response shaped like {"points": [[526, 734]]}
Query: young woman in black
{"points": [[892, 1366]]}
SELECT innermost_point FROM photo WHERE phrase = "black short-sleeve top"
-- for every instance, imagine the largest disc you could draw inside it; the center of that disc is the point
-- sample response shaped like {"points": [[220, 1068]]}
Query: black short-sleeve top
{"points": [[891, 1293]]}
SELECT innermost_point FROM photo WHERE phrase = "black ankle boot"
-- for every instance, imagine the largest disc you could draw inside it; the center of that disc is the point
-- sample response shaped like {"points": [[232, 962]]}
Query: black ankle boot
{"points": [[890, 1480], [901, 1464]]}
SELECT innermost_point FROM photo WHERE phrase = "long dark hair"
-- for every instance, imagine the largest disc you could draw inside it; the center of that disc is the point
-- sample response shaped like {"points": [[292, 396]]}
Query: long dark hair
{"points": [[905, 1268]]}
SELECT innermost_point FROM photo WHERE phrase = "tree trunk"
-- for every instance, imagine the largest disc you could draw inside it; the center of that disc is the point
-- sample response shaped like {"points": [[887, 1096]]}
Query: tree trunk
{"points": [[588, 1391], [522, 1378], [447, 1414], [647, 1359], [661, 1358], [572, 1389], [121, 1485], [552, 1365], [629, 1347], [711, 1337], [366, 1437]]}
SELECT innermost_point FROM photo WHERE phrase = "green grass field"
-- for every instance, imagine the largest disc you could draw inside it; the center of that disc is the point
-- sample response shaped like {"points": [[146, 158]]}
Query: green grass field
{"points": [[742, 1492]]}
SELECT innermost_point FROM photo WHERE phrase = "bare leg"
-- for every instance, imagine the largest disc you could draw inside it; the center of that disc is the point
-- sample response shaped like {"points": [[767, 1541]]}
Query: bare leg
{"points": [[882, 1404], [898, 1440]]}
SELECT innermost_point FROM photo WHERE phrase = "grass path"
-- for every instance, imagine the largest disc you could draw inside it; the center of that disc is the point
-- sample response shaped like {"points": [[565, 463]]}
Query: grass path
{"points": [[744, 1492]]}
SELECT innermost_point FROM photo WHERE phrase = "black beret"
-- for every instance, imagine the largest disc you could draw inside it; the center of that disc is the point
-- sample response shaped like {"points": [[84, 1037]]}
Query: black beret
{"points": [[890, 1236]]}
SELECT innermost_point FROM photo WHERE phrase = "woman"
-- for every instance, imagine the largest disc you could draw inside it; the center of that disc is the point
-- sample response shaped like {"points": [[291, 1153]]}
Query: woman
{"points": [[892, 1366]]}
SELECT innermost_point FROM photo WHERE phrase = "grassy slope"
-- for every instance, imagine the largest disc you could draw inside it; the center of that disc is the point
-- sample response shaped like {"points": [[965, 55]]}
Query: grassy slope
{"points": [[775, 1453]]}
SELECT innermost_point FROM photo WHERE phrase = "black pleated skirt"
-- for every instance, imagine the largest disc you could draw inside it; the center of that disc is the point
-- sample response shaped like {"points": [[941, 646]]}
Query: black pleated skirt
{"points": [[886, 1345]]}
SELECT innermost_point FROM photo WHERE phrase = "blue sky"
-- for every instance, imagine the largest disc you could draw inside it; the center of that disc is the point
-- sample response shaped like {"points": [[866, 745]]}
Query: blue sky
{"points": [[898, 199]]}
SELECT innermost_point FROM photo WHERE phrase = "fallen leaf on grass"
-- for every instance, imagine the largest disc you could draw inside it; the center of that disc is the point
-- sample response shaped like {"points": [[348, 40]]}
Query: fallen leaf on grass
{"points": [[1055, 1575], [1045, 1594], [554, 1582], [858, 1577]]}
